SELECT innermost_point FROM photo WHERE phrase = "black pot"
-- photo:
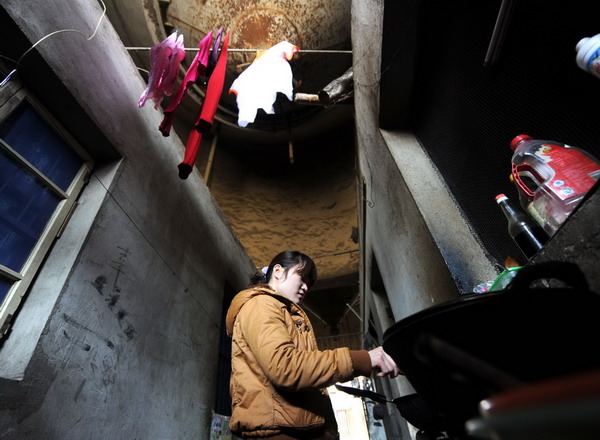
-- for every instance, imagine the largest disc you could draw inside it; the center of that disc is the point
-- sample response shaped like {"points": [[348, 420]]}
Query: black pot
{"points": [[458, 353]]}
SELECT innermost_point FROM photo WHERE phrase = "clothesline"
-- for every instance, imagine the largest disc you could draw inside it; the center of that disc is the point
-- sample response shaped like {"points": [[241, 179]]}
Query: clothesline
{"points": [[255, 50], [18, 62]]}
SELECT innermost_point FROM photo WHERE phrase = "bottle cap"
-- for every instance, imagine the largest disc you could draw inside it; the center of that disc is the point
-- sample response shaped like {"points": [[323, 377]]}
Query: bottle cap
{"points": [[582, 43], [587, 51], [517, 140], [500, 197]]}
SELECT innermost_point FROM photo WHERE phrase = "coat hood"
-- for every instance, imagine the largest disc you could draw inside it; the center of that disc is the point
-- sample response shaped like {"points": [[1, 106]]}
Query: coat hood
{"points": [[243, 297]]}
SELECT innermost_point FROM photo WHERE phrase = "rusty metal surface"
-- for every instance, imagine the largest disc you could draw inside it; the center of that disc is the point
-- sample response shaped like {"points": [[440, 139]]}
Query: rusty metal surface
{"points": [[259, 24], [254, 24], [310, 24]]}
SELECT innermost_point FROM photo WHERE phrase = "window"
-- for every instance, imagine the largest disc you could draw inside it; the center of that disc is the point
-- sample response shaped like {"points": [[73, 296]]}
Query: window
{"points": [[42, 171]]}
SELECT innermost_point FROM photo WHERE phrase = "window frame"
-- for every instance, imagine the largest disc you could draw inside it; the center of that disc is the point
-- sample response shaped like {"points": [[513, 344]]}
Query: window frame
{"points": [[11, 97]]}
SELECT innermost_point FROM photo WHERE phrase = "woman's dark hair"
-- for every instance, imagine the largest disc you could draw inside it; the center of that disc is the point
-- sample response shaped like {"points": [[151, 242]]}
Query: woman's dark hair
{"points": [[287, 259]]}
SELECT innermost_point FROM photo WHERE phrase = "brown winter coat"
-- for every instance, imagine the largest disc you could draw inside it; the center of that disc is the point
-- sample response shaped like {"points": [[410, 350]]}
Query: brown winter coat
{"points": [[278, 373]]}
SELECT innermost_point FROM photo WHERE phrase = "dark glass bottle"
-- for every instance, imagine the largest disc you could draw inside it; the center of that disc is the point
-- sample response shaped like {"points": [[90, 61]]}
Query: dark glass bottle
{"points": [[529, 235]]}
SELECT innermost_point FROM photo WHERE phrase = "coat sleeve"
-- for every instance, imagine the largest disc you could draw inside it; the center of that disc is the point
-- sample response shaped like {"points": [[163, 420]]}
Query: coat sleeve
{"points": [[264, 328]]}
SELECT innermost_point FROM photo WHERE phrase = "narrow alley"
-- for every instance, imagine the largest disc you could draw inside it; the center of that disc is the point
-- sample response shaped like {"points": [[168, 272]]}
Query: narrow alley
{"points": [[124, 235]]}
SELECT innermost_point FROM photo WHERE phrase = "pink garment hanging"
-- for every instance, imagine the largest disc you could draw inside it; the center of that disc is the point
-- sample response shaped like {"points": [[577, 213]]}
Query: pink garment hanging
{"points": [[165, 58], [197, 68], [214, 55], [205, 119], [191, 151]]}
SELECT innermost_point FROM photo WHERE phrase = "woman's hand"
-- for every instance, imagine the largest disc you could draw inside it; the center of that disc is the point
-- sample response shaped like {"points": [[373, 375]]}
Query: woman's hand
{"points": [[383, 364]]}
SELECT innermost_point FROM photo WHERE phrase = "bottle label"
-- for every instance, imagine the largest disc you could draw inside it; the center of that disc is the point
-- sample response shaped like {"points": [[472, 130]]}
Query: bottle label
{"points": [[574, 172], [593, 62]]}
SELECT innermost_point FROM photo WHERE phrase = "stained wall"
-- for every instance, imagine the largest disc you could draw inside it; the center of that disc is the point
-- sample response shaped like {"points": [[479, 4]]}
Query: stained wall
{"points": [[128, 347], [417, 248]]}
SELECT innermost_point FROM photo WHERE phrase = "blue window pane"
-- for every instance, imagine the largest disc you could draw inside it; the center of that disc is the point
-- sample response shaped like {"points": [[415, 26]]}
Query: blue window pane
{"points": [[5, 286], [31, 136], [25, 208]]}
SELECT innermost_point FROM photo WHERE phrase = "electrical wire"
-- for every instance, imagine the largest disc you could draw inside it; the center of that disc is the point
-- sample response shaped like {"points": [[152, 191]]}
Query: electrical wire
{"points": [[49, 35]]}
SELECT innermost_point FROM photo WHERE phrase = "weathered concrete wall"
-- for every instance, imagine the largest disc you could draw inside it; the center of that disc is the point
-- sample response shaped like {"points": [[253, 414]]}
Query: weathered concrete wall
{"points": [[417, 249], [411, 216], [130, 347], [413, 271], [412, 250]]}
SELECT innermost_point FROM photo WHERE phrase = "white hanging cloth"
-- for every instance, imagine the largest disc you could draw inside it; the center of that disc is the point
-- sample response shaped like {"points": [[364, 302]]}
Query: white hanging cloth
{"points": [[257, 86]]}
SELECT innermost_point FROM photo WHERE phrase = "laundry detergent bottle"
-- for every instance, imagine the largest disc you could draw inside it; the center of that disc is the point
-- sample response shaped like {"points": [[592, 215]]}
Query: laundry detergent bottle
{"points": [[552, 178]]}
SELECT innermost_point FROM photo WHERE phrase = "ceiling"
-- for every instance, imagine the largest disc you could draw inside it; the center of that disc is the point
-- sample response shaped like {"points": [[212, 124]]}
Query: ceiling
{"points": [[274, 200]]}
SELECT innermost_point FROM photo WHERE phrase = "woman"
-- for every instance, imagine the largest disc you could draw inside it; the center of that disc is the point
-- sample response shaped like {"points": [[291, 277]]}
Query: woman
{"points": [[278, 373]]}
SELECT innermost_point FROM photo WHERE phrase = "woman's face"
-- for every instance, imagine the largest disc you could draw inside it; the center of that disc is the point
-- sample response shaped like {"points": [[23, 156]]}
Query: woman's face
{"points": [[290, 285]]}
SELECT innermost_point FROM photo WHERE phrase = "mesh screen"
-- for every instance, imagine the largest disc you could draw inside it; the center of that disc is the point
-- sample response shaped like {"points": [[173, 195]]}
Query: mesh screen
{"points": [[465, 114]]}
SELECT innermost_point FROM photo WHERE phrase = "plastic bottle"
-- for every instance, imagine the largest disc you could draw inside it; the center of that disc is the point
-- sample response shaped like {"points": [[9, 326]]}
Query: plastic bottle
{"points": [[552, 178], [529, 236], [588, 54]]}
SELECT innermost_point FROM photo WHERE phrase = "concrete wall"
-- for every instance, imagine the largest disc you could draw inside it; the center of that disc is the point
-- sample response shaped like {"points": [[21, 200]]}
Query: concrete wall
{"points": [[424, 247], [128, 348], [411, 225], [417, 249]]}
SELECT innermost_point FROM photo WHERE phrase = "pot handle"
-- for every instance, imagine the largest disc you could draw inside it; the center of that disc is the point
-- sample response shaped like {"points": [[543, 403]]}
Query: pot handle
{"points": [[379, 398], [568, 273]]}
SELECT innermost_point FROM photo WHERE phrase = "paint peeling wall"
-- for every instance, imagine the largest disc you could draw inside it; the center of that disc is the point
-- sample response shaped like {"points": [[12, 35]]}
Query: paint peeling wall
{"points": [[130, 347], [259, 24]]}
